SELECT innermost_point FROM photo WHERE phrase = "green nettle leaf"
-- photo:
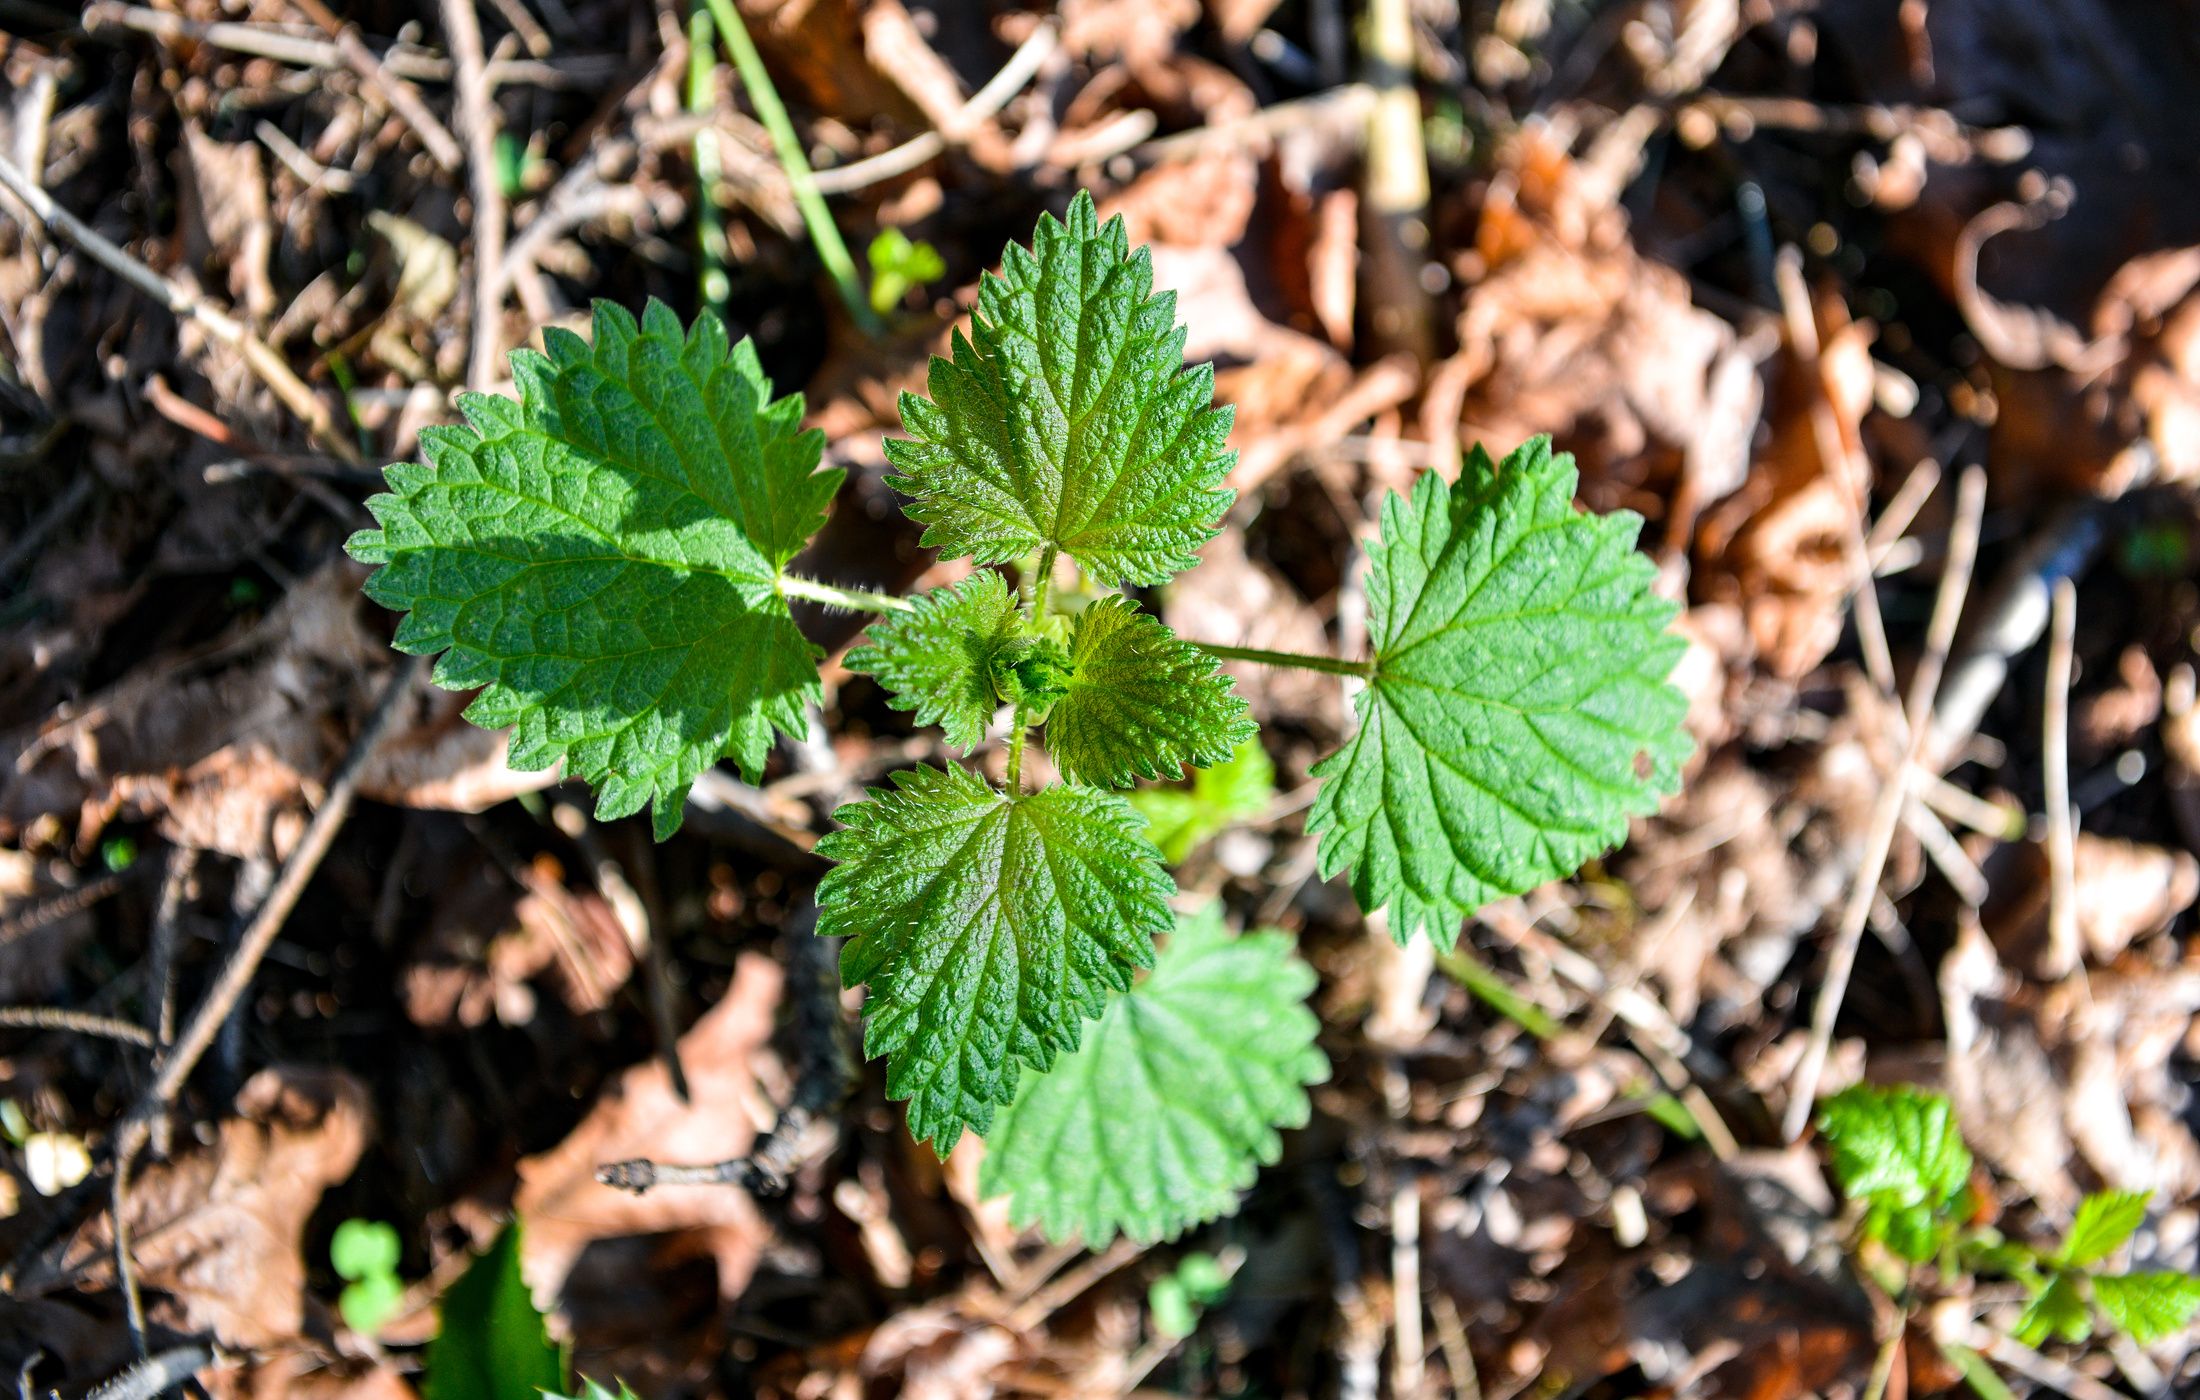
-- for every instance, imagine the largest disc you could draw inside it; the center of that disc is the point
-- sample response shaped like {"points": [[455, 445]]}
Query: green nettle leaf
{"points": [[989, 929], [1067, 418], [1172, 1104], [2057, 1311], [492, 1344], [2148, 1306], [1231, 791], [602, 557], [2104, 1221], [1518, 712], [1895, 1147], [1141, 703], [938, 659], [1032, 674]]}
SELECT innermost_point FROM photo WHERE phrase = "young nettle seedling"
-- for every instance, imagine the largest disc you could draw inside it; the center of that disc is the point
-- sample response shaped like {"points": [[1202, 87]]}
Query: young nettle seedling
{"points": [[607, 559], [1900, 1159]]}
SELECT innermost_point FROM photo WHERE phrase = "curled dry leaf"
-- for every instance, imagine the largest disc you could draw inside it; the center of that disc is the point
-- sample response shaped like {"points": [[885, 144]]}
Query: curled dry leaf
{"points": [[1565, 328], [221, 1230], [1779, 549]]}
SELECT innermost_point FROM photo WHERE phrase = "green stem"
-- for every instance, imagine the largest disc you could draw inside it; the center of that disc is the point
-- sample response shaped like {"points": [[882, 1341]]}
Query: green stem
{"points": [[709, 219], [1298, 660], [853, 599], [819, 220], [1040, 581], [1016, 752]]}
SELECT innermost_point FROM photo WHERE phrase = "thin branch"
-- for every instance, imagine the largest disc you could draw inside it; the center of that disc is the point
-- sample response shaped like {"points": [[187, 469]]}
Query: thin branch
{"points": [[133, 1300], [55, 1018], [401, 97], [181, 301], [1022, 66], [477, 118], [156, 1375], [304, 51], [61, 906], [2063, 951], [259, 935], [1955, 584]]}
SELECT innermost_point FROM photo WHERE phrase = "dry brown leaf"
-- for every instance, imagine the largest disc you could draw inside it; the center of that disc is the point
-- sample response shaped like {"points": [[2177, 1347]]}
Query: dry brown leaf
{"points": [[1564, 328], [2124, 891], [227, 750], [565, 1207], [221, 1230]]}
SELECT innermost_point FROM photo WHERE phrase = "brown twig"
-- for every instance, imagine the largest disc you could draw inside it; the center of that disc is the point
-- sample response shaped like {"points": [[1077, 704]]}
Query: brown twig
{"points": [[300, 51], [1955, 584], [259, 934], [56, 1018], [156, 1375], [2062, 952], [60, 907], [477, 118], [402, 97], [983, 105], [824, 1075]]}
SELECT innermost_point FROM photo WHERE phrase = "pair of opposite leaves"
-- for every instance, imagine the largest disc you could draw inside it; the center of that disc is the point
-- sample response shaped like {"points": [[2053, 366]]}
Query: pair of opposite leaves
{"points": [[606, 559]]}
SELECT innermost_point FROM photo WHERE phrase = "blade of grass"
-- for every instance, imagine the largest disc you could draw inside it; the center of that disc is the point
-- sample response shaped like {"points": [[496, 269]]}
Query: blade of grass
{"points": [[815, 216]]}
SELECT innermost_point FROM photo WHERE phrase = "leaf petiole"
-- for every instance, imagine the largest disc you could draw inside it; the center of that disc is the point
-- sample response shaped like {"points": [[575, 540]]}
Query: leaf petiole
{"points": [[853, 599], [1022, 726], [1296, 660]]}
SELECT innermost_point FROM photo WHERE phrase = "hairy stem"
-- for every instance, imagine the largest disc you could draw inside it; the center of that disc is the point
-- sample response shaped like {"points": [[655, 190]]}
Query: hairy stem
{"points": [[853, 599], [1040, 582], [1331, 665], [1016, 752], [815, 216]]}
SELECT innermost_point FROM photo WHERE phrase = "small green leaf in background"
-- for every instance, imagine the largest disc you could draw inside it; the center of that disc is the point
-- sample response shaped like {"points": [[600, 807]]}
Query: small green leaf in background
{"points": [[362, 1248], [897, 264], [1184, 818], [2057, 1311], [369, 1303], [1172, 1105], [118, 853], [1896, 1147], [1141, 702], [365, 1254], [1177, 1298], [2104, 1221], [2148, 1306], [492, 1344]]}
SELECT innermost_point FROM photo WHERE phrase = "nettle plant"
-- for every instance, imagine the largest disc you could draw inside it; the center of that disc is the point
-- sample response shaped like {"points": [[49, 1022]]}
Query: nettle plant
{"points": [[606, 559], [1906, 1171]]}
